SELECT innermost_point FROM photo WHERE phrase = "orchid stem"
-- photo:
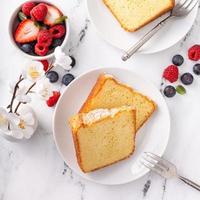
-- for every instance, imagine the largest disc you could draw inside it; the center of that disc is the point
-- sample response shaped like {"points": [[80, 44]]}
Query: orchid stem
{"points": [[50, 67], [29, 89], [14, 93]]}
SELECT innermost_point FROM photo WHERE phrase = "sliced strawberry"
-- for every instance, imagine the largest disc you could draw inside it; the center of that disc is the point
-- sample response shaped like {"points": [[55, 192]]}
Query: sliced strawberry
{"points": [[26, 31], [52, 15]]}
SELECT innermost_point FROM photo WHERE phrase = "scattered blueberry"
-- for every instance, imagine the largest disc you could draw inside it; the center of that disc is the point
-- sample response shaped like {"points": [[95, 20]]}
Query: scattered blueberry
{"points": [[196, 69], [52, 76], [56, 42], [67, 79], [169, 91], [27, 48], [187, 78], [177, 60], [73, 61]]}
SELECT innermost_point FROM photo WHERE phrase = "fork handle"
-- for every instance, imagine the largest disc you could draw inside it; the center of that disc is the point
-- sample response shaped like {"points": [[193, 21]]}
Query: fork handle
{"points": [[144, 39], [189, 182]]}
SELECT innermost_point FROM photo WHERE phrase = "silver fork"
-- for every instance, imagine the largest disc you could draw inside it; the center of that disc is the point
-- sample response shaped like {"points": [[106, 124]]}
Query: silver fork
{"points": [[182, 8], [164, 168]]}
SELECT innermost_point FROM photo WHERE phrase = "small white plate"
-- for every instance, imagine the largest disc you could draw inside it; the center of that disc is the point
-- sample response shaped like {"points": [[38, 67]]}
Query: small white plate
{"points": [[109, 28], [153, 136]]}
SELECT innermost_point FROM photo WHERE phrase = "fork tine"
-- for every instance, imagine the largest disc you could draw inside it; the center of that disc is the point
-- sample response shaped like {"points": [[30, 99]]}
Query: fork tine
{"points": [[191, 6], [154, 156], [187, 4], [180, 4], [191, 3], [149, 166], [155, 162], [154, 168]]}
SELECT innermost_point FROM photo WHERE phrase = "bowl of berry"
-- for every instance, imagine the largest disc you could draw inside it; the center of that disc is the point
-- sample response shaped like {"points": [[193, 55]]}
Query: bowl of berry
{"points": [[37, 27]]}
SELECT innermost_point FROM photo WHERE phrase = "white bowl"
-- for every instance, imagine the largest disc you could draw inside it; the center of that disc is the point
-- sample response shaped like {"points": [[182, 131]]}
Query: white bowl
{"points": [[12, 28]]}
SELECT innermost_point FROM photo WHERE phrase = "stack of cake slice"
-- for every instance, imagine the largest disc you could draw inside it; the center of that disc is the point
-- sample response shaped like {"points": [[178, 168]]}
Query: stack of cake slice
{"points": [[104, 129]]}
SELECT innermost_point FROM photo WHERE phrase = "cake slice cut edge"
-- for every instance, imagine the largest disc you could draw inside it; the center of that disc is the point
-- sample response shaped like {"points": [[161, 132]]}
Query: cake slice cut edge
{"points": [[133, 15], [103, 136], [108, 92]]}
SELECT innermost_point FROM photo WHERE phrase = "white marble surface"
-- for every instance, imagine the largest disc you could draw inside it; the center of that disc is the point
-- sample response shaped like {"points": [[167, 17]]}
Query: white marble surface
{"points": [[35, 171]]}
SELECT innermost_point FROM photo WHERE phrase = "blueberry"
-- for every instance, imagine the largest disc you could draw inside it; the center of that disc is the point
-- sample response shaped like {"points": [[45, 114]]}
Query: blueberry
{"points": [[177, 60], [52, 76], [169, 91], [27, 48], [196, 69], [67, 79], [56, 42], [187, 78], [73, 61]]}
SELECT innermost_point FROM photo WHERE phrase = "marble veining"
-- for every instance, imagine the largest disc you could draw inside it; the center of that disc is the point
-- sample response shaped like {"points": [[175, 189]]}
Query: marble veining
{"points": [[35, 171], [164, 188], [147, 185]]}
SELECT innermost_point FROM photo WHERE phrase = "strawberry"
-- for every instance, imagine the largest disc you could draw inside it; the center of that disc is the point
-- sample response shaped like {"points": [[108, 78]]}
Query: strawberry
{"points": [[45, 64], [39, 12], [27, 7], [171, 73], [41, 49], [52, 15], [53, 99], [26, 32]]}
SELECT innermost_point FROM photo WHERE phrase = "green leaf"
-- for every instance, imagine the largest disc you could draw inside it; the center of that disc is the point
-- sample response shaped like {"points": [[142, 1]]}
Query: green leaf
{"points": [[180, 89], [60, 20], [38, 24], [22, 16]]}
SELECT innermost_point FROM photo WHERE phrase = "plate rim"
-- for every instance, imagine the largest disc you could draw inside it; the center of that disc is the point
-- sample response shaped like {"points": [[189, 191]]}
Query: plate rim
{"points": [[142, 52], [54, 131]]}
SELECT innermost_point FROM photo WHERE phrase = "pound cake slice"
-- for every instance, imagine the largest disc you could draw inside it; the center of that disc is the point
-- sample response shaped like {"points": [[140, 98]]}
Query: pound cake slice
{"points": [[110, 93], [134, 14], [103, 136]]}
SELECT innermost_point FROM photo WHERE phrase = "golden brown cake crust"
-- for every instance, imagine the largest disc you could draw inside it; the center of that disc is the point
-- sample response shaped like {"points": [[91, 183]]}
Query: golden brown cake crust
{"points": [[147, 21], [97, 88], [77, 146]]}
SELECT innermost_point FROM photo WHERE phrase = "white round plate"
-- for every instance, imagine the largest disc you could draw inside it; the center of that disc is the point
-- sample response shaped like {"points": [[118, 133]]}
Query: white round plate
{"points": [[109, 28], [152, 137]]}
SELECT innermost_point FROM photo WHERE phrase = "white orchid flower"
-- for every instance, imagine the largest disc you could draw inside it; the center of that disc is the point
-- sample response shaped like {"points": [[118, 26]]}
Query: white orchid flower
{"points": [[25, 125], [12, 86], [61, 59], [4, 121], [22, 96], [7, 120], [44, 88], [34, 70]]}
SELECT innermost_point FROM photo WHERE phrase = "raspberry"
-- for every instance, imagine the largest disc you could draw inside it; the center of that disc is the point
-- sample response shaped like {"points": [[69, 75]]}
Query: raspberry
{"points": [[171, 73], [39, 12], [53, 99], [194, 52], [27, 7], [41, 50], [45, 64], [57, 31], [44, 38]]}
